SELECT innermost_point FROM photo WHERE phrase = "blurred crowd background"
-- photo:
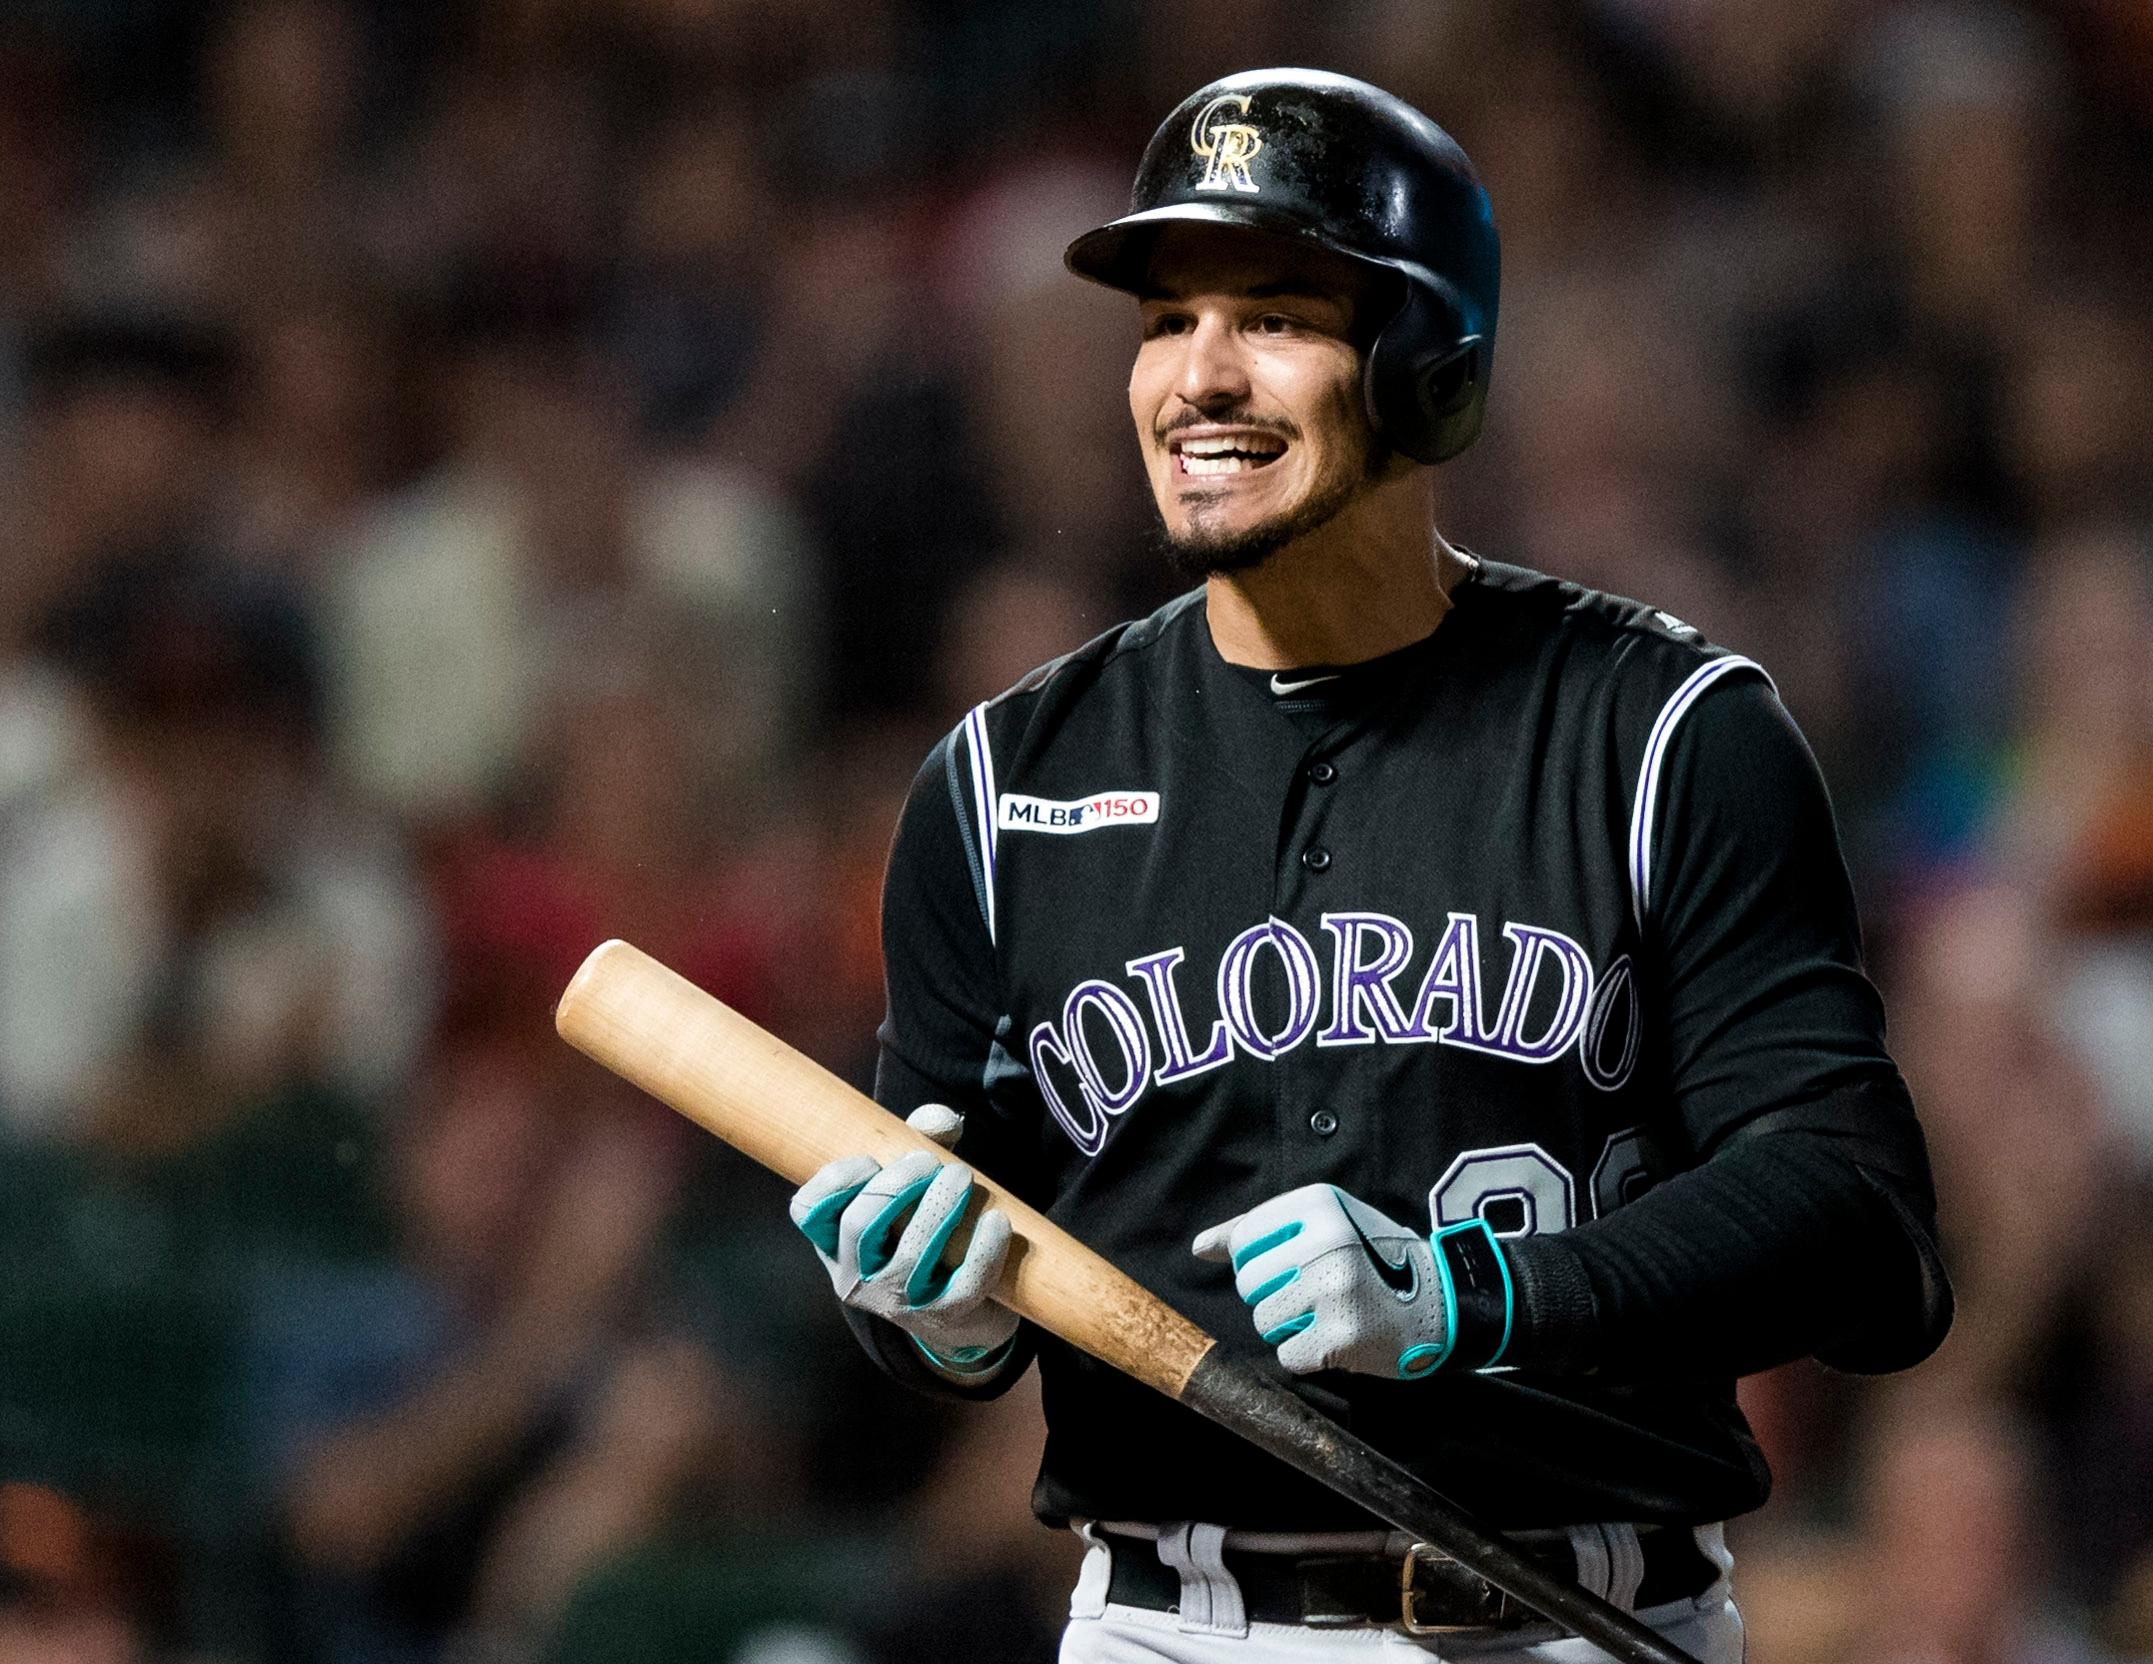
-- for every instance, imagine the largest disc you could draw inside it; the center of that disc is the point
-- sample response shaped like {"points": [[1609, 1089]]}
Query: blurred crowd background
{"points": [[485, 476]]}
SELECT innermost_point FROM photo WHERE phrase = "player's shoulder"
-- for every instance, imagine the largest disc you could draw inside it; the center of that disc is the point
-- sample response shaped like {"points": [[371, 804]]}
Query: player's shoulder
{"points": [[1640, 651], [1124, 660], [1104, 689], [1616, 625], [1129, 648]]}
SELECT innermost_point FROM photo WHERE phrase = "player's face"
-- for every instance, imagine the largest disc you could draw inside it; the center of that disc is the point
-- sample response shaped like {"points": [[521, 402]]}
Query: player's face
{"points": [[1247, 394]]}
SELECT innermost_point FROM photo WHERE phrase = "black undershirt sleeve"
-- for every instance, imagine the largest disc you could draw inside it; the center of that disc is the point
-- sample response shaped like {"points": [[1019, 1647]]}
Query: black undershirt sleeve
{"points": [[1797, 1214], [938, 1033]]}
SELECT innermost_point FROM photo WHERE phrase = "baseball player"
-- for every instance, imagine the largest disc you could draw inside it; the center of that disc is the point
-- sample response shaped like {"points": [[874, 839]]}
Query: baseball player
{"points": [[1425, 973]]}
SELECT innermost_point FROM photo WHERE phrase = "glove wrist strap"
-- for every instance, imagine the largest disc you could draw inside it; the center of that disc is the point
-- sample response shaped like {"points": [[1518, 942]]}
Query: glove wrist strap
{"points": [[969, 1363], [1476, 1279]]}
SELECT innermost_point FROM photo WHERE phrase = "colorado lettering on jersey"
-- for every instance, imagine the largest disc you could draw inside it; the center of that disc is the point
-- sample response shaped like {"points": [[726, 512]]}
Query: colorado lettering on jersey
{"points": [[1554, 1001], [1018, 813]]}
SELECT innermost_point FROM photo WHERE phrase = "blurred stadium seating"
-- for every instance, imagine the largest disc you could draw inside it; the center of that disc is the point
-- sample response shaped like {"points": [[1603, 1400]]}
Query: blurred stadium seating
{"points": [[487, 475]]}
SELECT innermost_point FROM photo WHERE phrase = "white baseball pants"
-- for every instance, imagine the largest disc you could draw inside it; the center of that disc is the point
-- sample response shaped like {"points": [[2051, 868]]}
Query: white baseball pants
{"points": [[1211, 1628]]}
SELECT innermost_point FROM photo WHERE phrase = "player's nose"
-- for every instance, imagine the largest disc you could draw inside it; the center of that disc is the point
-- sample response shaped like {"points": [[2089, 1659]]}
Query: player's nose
{"points": [[1213, 369]]}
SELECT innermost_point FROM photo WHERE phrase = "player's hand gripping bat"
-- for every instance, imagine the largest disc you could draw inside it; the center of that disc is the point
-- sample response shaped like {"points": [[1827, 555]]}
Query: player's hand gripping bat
{"points": [[660, 1032]]}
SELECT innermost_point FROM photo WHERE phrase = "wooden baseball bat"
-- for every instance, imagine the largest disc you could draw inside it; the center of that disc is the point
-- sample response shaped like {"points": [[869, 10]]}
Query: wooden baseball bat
{"points": [[658, 1031]]}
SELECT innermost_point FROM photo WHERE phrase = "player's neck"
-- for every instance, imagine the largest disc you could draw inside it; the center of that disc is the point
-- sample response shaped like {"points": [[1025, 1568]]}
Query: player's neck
{"points": [[1376, 578]]}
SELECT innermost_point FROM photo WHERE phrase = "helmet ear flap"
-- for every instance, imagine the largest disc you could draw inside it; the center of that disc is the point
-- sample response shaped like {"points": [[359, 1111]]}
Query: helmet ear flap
{"points": [[1451, 382], [1426, 384], [1453, 395]]}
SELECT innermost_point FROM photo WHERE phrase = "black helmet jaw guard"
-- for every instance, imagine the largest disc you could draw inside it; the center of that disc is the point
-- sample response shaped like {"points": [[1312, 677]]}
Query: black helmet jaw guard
{"points": [[1324, 159]]}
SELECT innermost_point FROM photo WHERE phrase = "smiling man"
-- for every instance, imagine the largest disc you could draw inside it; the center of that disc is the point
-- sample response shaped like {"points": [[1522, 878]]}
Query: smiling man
{"points": [[1436, 979], [1251, 451]]}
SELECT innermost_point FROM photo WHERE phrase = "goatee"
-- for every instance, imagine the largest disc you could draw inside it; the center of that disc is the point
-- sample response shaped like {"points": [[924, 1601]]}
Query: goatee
{"points": [[1202, 552]]}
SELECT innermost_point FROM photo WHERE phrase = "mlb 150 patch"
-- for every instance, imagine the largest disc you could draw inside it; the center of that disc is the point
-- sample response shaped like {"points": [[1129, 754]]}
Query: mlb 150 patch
{"points": [[1017, 813]]}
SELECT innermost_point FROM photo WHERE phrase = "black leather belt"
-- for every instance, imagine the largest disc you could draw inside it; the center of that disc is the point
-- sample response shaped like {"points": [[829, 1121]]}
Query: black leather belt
{"points": [[1422, 1592]]}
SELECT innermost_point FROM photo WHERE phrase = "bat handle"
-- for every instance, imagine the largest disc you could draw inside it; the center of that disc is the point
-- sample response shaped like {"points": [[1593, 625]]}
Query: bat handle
{"points": [[1272, 1416]]}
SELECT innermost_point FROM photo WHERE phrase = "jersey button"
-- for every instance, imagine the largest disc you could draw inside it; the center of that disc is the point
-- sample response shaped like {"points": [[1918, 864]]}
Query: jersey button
{"points": [[1323, 1123], [1315, 860], [1322, 774]]}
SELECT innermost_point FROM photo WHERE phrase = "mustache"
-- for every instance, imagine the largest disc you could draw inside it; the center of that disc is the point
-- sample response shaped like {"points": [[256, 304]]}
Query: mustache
{"points": [[1230, 418]]}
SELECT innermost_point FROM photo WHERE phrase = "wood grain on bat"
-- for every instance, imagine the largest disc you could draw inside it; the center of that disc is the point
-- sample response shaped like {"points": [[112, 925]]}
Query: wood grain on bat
{"points": [[782, 1109]]}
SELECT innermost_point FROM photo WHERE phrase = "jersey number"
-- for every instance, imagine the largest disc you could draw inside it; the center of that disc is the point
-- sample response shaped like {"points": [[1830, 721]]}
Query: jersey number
{"points": [[1521, 1190]]}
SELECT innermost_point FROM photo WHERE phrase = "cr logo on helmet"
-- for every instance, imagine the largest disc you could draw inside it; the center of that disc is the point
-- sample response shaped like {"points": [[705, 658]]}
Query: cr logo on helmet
{"points": [[1227, 147]]}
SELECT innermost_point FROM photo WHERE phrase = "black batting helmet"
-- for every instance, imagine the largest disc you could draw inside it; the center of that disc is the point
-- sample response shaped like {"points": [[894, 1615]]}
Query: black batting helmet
{"points": [[1330, 160]]}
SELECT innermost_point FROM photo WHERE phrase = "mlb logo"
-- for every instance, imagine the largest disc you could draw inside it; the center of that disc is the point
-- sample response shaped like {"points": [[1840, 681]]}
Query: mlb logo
{"points": [[1018, 813]]}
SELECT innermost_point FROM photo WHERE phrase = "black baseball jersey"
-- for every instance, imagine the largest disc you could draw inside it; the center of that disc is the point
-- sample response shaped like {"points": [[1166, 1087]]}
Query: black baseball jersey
{"points": [[1541, 919]]}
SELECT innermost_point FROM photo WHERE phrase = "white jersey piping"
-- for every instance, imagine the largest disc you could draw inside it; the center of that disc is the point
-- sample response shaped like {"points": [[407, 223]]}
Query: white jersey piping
{"points": [[1657, 744], [983, 801]]}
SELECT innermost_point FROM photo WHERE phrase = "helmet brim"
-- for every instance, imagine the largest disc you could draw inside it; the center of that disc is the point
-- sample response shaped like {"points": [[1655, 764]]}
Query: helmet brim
{"points": [[1118, 254]]}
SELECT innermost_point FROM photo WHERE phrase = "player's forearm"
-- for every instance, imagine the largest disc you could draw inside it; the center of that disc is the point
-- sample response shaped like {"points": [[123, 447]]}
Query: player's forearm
{"points": [[1782, 1245]]}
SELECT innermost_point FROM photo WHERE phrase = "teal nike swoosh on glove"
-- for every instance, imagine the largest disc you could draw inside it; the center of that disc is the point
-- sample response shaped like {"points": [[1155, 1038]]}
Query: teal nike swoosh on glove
{"points": [[880, 1232], [1334, 1284]]}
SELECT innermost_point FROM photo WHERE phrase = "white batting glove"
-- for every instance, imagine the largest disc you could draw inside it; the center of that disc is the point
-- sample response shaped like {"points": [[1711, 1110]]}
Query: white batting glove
{"points": [[1336, 1285], [880, 1232]]}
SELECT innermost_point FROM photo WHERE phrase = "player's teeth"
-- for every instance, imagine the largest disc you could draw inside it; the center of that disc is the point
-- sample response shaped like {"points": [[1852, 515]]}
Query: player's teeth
{"points": [[1226, 447]]}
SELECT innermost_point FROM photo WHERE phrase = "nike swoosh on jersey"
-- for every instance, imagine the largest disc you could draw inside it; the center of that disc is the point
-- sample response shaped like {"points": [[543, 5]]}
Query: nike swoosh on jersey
{"points": [[1295, 687], [1404, 1277]]}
